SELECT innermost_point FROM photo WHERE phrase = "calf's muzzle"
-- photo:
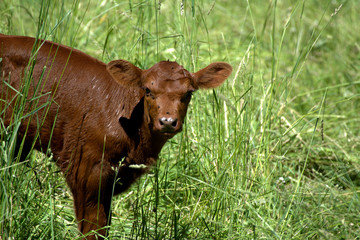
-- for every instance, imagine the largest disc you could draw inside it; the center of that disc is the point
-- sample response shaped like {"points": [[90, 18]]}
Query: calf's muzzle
{"points": [[169, 124]]}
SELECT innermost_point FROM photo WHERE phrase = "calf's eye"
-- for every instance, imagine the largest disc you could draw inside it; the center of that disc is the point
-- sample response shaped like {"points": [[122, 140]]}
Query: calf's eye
{"points": [[148, 93]]}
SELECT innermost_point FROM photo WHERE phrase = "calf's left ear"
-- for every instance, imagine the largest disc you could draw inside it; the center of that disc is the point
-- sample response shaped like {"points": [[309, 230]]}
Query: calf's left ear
{"points": [[213, 75], [125, 73]]}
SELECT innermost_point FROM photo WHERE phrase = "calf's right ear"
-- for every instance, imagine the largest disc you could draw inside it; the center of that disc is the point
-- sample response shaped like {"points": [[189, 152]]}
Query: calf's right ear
{"points": [[125, 73]]}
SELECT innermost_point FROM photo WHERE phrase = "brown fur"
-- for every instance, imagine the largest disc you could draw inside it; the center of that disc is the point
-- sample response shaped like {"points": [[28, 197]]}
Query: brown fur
{"points": [[108, 117]]}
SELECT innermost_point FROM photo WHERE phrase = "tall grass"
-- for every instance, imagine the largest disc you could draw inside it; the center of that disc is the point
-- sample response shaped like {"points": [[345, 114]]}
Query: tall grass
{"points": [[273, 153]]}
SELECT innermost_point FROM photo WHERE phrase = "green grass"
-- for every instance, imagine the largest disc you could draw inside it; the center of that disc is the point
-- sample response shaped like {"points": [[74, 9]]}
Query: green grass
{"points": [[271, 154]]}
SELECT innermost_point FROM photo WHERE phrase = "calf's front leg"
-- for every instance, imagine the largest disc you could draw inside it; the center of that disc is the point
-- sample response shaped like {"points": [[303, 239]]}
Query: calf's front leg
{"points": [[92, 216], [92, 201]]}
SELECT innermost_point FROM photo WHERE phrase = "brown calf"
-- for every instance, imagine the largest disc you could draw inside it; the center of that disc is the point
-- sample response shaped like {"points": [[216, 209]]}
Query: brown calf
{"points": [[105, 120]]}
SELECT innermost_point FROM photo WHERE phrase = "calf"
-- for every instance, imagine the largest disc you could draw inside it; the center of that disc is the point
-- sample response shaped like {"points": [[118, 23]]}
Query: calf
{"points": [[106, 123]]}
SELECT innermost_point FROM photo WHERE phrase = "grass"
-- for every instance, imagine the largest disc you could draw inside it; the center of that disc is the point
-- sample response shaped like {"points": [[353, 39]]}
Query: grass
{"points": [[271, 154]]}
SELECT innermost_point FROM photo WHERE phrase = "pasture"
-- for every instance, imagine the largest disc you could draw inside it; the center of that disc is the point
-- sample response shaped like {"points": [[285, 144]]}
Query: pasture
{"points": [[274, 153]]}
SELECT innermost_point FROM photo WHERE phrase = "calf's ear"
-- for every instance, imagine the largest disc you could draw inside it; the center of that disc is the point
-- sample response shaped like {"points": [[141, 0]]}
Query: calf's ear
{"points": [[125, 73], [213, 75]]}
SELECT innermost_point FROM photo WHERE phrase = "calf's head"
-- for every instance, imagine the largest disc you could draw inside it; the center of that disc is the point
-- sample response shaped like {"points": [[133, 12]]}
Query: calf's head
{"points": [[167, 89]]}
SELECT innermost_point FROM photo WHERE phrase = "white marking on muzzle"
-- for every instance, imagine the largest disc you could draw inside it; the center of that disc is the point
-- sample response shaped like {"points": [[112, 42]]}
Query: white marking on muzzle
{"points": [[164, 119]]}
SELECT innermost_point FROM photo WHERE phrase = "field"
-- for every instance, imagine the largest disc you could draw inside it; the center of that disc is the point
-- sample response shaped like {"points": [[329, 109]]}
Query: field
{"points": [[274, 153]]}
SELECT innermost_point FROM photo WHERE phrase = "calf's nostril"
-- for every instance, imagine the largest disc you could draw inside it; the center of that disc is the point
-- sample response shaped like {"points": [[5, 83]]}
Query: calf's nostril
{"points": [[162, 121], [174, 123]]}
